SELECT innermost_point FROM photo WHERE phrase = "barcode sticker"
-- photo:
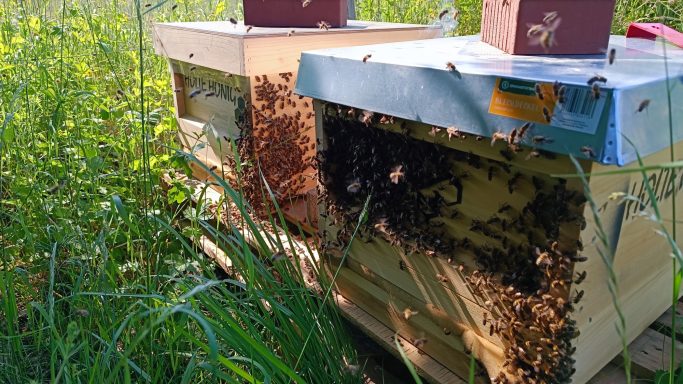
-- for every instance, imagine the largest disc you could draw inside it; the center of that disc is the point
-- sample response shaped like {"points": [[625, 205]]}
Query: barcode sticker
{"points": [[580, 111]]}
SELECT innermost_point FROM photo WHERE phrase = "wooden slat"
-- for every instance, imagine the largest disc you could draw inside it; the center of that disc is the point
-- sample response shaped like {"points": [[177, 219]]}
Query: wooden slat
{"points": [[650, 352], [663, 322]]}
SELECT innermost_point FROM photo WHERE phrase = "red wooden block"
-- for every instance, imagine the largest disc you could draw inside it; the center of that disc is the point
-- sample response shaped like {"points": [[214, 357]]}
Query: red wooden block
{"points": [[292, 13], [580, 26]]}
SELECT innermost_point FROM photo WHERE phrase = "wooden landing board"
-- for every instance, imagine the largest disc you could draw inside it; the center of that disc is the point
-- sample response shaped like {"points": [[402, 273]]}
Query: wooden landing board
{"points": [[649, 350]]}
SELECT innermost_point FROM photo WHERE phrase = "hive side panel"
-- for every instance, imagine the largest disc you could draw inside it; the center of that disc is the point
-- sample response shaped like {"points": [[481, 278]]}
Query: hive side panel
{"points": [[642, 265], [278, 54], [221, 52]]}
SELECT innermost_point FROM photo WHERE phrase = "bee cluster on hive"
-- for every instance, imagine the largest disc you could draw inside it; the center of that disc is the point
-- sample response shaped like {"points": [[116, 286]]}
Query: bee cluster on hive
{"points": [[277, 145], [514, 255]]}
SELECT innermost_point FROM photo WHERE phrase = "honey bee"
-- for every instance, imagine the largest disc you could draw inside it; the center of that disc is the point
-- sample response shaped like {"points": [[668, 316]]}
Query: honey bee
{"points": [[366, 117], [354, 187], [588, 151], [290, 33], [195, 93], [523, 129], [173, 8], [323, 25], [446, 331], [443, 13], [577, 298], [277, 256], [382, 225], [434, 131], [561, 94], [193, 68], [512, 136], [580, 277], [543, 258], [643, 105], [547, 115], [441, 278], [305, 3], [597, 79], [249, 27], [452, 131], [419, 343], [595, 89], [191, 55], [396, 174], [532, 154], [408, 313], [547, 39], [450, 66], [498, 136], [366, 57], [579, 259], [541, 140], [611, 56], [209, 94], [233, 21], [539, 91]]}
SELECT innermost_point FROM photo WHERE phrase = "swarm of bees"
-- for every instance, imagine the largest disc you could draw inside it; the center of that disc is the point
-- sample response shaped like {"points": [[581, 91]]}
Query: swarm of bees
{"points": [[526, 284], [282, 161]]}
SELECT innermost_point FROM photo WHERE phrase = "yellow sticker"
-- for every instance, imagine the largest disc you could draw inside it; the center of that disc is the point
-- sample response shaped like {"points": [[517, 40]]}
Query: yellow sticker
{"points": [[518, 99]]}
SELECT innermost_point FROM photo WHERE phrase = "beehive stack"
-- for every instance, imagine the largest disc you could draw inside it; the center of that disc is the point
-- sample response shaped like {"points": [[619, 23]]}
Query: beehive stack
{"points": [[470, 244], [234, 83]]}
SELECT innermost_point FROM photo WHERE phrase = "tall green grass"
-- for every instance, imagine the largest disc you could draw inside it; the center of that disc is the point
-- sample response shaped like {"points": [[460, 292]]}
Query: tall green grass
{"points": [[96, 282]]}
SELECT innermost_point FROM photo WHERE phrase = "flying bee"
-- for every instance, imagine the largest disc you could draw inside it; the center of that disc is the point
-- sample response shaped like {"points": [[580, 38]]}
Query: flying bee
{"points": [[580, 277], [290, 33], [547, 115], [193, 68], [597, 79], [354, 187], [408, 313], [450, 66], [195, 93], [249, 27], [443, 13], [578, 259], [577, 298], [323, 25], [643, 105], [523, 129], [512, 136], [396, 174], [305, 3], [547, 39], [595, 89], [588, 151], [191, 55], [498, 136], [233, 21], [366, 57], [539, 91], [549, 17], [209, 94], [173, 8], [534, 29], [611, 56]]}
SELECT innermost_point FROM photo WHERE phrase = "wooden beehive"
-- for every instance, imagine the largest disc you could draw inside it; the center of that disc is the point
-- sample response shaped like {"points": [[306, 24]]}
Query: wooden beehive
{"points": [[233, 83], [471, 243], [558, 27]]}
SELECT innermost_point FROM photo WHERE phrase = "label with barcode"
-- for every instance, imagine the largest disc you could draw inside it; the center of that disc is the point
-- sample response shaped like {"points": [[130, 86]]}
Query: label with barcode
{"points": [[579, 110]]}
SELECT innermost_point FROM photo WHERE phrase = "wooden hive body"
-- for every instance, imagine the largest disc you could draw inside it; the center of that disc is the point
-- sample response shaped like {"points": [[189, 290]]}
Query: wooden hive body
{"points": [[235, 82], [471, 227]]}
